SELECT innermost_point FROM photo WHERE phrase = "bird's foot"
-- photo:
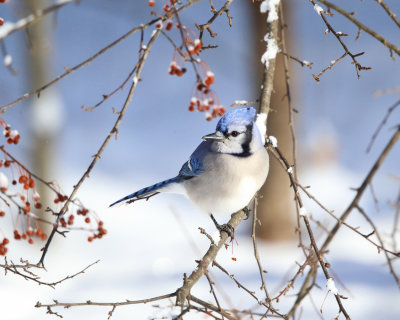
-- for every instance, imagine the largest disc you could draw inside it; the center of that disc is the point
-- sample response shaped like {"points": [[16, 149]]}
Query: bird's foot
{"points": [[224, 227], [247, 211]]}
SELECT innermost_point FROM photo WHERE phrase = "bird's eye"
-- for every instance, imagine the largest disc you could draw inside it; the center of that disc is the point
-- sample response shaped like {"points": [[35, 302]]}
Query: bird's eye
{"points": [[234, 133]]}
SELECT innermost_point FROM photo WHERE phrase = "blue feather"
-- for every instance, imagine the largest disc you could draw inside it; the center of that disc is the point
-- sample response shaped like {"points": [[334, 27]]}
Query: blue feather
{"points": [[148, 190]]}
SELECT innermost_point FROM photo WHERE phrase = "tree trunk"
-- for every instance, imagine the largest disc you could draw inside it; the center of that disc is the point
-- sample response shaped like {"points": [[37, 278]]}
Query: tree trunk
{"points": [[276, 210]]}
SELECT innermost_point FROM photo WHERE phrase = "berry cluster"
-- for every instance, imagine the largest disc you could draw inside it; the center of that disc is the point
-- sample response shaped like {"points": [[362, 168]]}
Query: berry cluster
{"points": [[12, 136], [60, 198], [24, 196], [3, 248], [176, 69], [203, 99], [29, 234], [98, 233]]}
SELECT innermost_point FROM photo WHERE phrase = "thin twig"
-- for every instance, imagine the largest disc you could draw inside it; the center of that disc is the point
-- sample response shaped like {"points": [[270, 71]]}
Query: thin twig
{"points": [[317, 251], [32, 18], [268, 305], [374, 34], [389, 12], [303, 63], [206, 26], [113, 132], [317, 77], [383, 122], [360, 191], [378, 236], [256, 254], [35, 278], [86, 62], [103, 304], [338, 36]]}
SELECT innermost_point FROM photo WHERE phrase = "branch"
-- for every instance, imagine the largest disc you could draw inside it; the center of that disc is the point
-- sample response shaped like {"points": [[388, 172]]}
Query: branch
{"points": [[29, 275], [68, 71], [184, 291], [375, 231], [361, 26], [338, 37], [256, 254], [389, 12], [113, 131], [102, 304], [383, 122], [206, 26], [269, 67], [11, 27], [305, 289], [318, 252]]}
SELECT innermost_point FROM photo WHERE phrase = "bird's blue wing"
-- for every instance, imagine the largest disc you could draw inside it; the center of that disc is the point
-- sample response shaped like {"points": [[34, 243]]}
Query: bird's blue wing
{"points": [[195, 165]]}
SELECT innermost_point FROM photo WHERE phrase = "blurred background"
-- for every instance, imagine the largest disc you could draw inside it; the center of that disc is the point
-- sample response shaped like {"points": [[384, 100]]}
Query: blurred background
{"points": [[147, 248]]}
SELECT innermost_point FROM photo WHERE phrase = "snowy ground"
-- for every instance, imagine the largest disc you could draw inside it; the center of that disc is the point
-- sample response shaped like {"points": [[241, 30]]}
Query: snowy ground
{"points": [[147, 250]]}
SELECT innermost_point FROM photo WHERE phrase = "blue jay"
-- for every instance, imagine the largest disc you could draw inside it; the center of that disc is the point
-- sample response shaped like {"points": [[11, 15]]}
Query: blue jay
{"points": [[225, 171]]}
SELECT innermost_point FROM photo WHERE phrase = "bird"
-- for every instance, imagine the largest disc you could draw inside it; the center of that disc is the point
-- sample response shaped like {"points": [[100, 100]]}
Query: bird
{"points": [[224, 172]]}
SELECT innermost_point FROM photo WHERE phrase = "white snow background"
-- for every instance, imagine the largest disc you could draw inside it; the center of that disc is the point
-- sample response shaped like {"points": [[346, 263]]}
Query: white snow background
{"points": [[147, 250]]}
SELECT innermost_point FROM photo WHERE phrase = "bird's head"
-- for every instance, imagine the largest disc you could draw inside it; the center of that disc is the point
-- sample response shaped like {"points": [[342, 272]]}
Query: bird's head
{"points": [[236, 133]]}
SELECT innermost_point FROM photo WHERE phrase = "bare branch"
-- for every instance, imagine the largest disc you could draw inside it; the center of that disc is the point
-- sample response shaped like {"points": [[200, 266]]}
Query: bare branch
{"points": [[113, 131], [361, 26], [389, 12], [383, 122], [24, 23]]}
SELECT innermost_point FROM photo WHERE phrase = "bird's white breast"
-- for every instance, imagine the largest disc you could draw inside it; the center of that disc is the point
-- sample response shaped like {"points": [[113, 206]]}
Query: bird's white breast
{"points": [[228, 183]]}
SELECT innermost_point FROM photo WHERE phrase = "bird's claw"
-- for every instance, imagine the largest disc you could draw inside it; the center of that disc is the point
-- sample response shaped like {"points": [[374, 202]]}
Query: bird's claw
{"points": [[226, 227]]}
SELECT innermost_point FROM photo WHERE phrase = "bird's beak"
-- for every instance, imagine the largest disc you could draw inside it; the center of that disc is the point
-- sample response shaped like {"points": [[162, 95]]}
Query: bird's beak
{"points": [[213, 137]]}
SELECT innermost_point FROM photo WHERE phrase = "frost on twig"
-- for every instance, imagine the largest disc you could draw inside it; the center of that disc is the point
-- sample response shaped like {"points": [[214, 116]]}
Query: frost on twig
{"points": [[330, 284]]}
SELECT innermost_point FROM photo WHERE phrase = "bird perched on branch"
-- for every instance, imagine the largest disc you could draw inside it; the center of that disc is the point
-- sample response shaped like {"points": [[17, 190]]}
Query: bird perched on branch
{"points": [[225, 171]]}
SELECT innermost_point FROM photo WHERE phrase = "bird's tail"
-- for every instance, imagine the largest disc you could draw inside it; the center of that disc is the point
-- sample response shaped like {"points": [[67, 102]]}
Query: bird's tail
{"points": [[147, 192]]}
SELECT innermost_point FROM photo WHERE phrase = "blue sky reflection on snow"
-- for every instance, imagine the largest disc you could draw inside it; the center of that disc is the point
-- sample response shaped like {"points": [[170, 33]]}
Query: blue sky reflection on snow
{"points": [[158, 134]]}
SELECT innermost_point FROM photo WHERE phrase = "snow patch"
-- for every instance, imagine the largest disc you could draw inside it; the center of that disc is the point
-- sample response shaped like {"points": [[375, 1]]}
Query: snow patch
{"points": [[318, 9], [330, 284], [272, 50], [273, 141], [303, 212], [272, 7]]}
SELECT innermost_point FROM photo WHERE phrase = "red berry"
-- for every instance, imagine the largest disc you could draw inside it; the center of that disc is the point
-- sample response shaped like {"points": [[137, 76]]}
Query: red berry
{"points": [[87, 220], [90, 239], [30, 240], [2, 213], [5, 241], [31, 183], [38, 205]]}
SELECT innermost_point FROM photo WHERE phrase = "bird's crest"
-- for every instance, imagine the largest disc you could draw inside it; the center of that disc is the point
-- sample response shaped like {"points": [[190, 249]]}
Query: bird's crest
{"points": [[242, 116]]}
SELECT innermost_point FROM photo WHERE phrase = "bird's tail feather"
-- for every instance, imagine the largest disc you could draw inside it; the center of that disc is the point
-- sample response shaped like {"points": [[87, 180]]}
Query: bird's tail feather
{"points": [[147, 192]]}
